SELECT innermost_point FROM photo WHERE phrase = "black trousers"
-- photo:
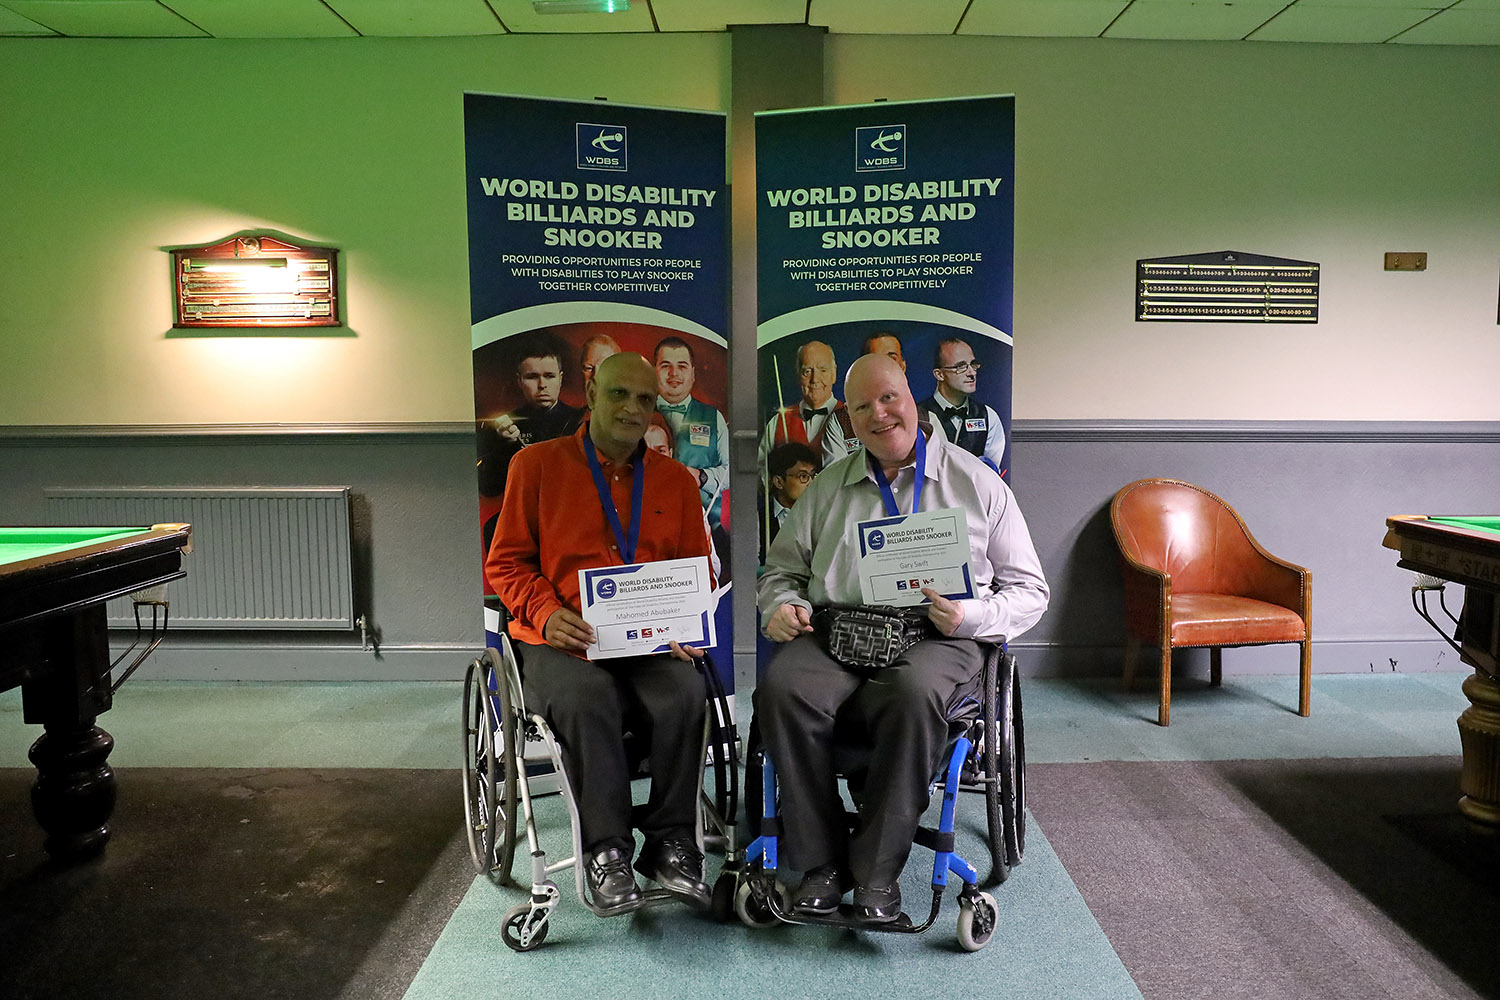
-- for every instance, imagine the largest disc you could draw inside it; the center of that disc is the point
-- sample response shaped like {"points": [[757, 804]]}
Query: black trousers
{"points": [[901, 710], [587, 705]]}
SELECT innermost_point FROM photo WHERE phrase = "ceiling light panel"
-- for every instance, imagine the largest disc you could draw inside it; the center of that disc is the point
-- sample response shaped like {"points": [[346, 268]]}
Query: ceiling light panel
{"points": [[519, 17], [1041, 18], [427, 19], [1338, 24], [106, 18], [887, 17], [1198, 21], [263, 18], [716, 15]]}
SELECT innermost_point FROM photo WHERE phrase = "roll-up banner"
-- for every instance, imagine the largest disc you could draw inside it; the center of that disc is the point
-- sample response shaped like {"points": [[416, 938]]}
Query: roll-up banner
{"points": [[596, 228], [885, 228]]}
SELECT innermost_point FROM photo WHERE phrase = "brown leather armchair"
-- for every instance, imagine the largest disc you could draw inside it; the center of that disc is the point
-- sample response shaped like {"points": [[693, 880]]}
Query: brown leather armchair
{"points": [[1195, 576]]}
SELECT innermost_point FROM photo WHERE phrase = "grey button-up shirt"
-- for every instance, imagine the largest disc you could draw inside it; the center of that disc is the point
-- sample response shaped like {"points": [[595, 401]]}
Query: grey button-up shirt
{"points": [[814, 560]]}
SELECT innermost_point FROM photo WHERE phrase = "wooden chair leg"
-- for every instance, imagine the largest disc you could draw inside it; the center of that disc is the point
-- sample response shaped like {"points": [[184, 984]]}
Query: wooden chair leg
{"points": [[1132, 654], [1164, 713], [1304, 700], [1216, 665]]}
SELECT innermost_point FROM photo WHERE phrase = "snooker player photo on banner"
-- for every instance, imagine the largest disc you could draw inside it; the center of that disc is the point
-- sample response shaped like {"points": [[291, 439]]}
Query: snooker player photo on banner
{"points": [[595, 230], [883, 228]]}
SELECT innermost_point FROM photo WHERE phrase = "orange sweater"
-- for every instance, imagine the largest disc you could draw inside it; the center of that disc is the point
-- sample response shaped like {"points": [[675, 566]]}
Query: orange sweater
{"points": [[551, 526]]}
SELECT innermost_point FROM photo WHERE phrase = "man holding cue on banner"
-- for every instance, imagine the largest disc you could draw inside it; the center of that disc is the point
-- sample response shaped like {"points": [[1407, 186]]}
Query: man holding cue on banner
{"points": [[600, 498], [814, 564]]}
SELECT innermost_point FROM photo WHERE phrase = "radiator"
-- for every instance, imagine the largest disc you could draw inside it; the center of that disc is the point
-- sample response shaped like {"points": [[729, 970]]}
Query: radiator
{"points": [[263, 558]]}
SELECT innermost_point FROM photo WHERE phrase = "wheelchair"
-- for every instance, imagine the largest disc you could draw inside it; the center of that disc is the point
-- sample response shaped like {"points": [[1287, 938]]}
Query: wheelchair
{"points": [[986, 753], [496, 731]]}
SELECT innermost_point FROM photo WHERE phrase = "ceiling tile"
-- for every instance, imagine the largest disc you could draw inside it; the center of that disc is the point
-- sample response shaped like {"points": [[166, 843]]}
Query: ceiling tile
{"points": [[1455, 27], [1201, 21], [887, 17], [1338, 24], [13, 24], [716, 15], [427, 19], [1041, 18], [262, 18], [106, 18], [518, 16]]}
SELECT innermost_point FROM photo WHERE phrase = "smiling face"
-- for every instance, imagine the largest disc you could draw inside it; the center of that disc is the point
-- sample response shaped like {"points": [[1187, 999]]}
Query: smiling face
{"points": [[674, 373], [882, 409], [816, 373], [540, 380], [622, 398]]}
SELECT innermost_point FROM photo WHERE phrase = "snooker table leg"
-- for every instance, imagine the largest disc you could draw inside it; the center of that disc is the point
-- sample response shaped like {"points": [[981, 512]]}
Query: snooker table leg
{"points": [[74, 793]]}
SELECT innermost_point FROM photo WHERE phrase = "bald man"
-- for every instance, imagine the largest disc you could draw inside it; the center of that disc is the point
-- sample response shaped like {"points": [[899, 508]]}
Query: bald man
{"points": [[568, 507], [818, 420], [813, 565]]}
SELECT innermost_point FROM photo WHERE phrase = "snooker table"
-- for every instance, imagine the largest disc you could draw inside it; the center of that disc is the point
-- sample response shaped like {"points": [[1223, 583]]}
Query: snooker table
{"points": [[54, 644], [1465, 550]]}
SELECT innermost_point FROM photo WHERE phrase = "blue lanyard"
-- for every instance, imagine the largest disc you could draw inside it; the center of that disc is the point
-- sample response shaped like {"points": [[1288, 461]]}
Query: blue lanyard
{"points": [[888, 495], [627, 543]]}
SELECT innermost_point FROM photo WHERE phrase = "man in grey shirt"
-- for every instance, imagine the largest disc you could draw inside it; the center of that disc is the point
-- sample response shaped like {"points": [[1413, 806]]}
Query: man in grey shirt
{"points": [[812, 564]]}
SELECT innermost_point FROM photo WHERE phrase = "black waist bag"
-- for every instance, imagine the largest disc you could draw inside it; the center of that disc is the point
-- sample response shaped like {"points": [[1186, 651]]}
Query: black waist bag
{"points": [[868, 638]]}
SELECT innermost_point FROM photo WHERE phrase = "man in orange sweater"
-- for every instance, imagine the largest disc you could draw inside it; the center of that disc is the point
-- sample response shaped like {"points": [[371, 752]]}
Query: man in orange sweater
{"points": [[601, 498]]}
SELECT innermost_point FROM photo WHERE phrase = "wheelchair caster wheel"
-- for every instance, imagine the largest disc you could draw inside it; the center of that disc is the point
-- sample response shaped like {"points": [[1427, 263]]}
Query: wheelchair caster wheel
{"points": [[722, 905], [524, 928], [976, 920], [752, 911]]}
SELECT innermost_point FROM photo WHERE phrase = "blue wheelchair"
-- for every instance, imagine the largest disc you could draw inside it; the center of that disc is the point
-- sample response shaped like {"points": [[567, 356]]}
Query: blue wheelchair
{"points": [[497, 729], [986, 754]]}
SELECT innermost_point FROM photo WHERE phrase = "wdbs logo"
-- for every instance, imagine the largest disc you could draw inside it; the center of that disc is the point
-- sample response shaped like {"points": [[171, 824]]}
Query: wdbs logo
{"points": [[607, 588], [876, 540], [601, 147], [880, 147]]}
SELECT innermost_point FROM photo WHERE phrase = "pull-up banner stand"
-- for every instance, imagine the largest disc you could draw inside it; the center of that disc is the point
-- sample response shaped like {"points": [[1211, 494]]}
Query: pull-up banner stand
{"points": [[596, 228], [884, 227]]}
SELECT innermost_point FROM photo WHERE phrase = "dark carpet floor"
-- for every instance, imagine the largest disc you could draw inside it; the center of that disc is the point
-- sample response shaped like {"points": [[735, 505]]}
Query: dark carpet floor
{"points": [[1292, 879], [228, 884]]}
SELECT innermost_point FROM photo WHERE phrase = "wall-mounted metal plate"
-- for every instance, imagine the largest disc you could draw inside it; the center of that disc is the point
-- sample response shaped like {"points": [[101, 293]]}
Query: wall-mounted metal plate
{"points": [[1409, 261]]}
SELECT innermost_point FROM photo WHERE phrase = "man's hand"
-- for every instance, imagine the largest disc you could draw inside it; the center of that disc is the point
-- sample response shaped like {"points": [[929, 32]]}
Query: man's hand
{"points": [[568, 631], [685, 653], [945, 614], [787, 622]]}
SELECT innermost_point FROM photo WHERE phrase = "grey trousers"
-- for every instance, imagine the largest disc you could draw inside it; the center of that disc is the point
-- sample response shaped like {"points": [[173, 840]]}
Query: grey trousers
{"points": [[903, 712], [587, 705]]}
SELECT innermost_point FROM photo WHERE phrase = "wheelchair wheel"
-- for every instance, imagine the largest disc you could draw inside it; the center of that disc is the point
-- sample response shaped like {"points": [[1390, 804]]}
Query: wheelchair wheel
{"points": [[520, 932], [490, 773], [977, 916], [722, 904], [752, 911], [1015, 844], [994, 765]]}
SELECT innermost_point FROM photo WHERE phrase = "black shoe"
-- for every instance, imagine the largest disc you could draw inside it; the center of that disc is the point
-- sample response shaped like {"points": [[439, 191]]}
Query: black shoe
{"points": [[877, 904], [820, 890], [610, 881], [677, 866]]}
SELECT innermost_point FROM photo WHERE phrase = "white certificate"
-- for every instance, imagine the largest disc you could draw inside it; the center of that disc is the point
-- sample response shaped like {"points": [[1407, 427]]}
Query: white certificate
{"points": [[638, 609], [898, 556]]}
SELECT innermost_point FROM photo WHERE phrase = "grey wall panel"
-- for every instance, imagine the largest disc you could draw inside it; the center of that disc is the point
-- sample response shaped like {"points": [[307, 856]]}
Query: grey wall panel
{"points": [[1315, 493]]}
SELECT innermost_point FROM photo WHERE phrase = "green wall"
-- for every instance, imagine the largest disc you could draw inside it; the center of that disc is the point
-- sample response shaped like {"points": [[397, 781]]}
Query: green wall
{"points": [[113, 150]]}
